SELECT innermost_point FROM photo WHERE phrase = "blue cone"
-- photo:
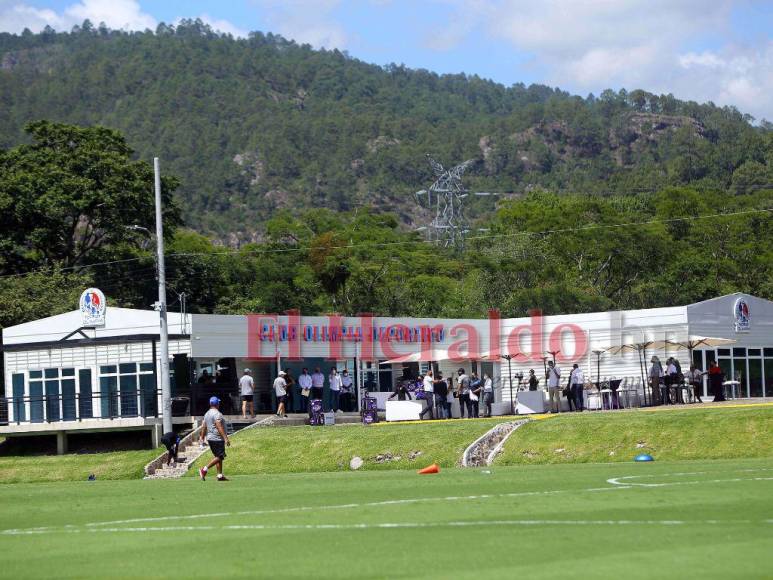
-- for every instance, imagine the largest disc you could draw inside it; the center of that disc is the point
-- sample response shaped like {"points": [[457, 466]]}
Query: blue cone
{"points": [[644, 457]]}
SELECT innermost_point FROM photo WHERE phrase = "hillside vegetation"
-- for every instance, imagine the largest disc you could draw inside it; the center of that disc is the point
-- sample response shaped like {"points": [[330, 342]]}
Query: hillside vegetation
{"points": [[259, 124], [307, 161]]}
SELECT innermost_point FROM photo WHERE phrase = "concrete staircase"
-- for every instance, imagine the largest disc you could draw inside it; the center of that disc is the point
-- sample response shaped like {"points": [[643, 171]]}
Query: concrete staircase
{"points": [[185, 459], [190, 450]]}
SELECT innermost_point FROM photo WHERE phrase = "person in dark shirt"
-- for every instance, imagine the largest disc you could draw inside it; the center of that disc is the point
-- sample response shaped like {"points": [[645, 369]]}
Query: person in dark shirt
{"points": [[171, 441], [402, 392], [716, 378], [441, 397], [533, 380]]}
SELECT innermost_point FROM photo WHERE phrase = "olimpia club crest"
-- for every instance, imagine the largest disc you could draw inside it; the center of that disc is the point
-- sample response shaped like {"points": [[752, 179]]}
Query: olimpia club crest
{"points": [[93, 307], [741, 315]]}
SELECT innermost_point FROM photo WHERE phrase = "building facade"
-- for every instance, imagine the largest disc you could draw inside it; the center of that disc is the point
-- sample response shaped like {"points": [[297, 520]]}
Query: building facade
{"points": [[60, 376]]}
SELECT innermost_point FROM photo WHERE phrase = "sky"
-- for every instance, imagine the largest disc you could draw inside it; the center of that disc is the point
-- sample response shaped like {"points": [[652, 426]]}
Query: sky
{"points": [[704, 50]]}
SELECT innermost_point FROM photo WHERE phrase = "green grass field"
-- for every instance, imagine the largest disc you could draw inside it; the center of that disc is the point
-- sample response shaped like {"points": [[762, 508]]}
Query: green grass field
{"points": [[307, 449], [695, 433], [698, 519], [40, 468], [293, 509]]}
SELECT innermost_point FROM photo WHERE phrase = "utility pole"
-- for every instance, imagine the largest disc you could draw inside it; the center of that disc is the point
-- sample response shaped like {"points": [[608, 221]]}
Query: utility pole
{"points": [[166, 395]]}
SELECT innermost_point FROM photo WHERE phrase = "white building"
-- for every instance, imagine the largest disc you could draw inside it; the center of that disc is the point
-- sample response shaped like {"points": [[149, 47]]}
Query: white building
{"points": [[61, 378]]}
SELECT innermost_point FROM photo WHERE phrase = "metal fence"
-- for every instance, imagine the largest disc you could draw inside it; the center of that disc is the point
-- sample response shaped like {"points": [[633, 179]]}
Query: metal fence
{"points": [[77, 407]]}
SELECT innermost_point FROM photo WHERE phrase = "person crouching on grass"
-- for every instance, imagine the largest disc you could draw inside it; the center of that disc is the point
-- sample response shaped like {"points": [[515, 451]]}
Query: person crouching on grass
{"points": [[172, 442], [214, 432]]}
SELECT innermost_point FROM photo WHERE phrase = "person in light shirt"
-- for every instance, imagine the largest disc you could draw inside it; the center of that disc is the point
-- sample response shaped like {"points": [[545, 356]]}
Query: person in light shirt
{"points": [[247, 391], [554, 387], [280, 390], [428, 385], [335, 390], [577, 385], [347, 391], [488, 393], [695, 378], [304, 382], [317, 384]]}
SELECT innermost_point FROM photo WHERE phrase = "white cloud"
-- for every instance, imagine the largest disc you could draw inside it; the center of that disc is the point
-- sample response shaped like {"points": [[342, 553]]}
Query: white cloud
{"points": [[221, 25], [590, 45], [734, 75], [305, 21], [123, 14]]}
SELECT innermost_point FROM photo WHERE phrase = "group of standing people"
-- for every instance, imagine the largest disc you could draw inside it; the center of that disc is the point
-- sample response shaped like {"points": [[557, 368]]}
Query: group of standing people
{"points": [[574, 390], [666, 383], [296, 394], [470, 390]]}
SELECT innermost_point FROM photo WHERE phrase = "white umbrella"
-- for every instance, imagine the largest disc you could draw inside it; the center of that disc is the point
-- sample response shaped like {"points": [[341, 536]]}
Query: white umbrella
{"points": [[424, 355], [694, 342], [641, 348]]}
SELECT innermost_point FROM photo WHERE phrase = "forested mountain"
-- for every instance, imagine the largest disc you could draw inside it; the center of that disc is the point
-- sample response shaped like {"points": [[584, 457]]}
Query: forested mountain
{"points": [[308, 161], [254, 125]]}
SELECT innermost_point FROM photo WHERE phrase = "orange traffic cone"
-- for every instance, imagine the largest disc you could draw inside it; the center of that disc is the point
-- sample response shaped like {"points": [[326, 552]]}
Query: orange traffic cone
{"points": [[434, 468]]}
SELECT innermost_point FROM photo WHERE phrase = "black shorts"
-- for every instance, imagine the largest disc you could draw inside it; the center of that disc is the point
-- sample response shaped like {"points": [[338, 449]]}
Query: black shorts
{"points": [[218, 448], [247, 398], [281, 399]]}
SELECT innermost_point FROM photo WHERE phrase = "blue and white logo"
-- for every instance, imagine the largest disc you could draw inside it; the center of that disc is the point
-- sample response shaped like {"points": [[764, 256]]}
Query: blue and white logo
{"points": [[741, 315], [93, 307]]}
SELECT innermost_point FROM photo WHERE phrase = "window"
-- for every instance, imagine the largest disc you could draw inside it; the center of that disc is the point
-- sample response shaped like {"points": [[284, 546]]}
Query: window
{"points": [[85, 402], [19, 408], [378, 378], [51, 385], [36, 397], [128, 390]]}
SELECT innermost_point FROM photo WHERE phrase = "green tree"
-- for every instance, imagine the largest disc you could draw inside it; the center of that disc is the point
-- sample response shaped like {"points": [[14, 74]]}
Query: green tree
{"points": [[71, 193]]}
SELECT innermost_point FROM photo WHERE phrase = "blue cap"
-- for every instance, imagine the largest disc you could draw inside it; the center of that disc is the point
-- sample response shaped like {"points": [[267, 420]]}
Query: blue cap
{"points": [[213, 401]]}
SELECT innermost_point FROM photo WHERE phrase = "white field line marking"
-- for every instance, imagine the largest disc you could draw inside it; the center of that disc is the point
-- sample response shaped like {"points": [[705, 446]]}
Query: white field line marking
{"points": [[615, 482], [619, 480], [383, 525], [350, 505]]}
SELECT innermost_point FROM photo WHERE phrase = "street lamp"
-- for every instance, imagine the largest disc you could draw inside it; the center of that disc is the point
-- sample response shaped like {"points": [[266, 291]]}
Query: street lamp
{"points": [[160, 305], [509, 359], [598, 368]]}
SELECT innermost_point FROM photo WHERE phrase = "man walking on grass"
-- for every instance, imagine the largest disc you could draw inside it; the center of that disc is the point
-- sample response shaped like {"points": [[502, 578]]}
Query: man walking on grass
{"points": [[214, 432]]}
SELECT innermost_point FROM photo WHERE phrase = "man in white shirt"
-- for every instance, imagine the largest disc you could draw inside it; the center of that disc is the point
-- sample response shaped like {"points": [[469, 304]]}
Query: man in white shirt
{"points": [[578, 383], [335, 390], [554, 387], [304, 382], [247, 392], [317, 384], [428, 386], [280, 390]]}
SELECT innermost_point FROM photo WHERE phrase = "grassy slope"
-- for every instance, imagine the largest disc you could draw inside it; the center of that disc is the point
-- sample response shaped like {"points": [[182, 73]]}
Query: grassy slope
{"points": [[710, 433], [735, 545], [305, 449], [114, 465]]}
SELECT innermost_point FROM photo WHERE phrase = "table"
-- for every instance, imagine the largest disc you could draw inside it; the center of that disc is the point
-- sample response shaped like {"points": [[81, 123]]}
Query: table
{"points": [[733, 388], [529, 402], [404, 410]]}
